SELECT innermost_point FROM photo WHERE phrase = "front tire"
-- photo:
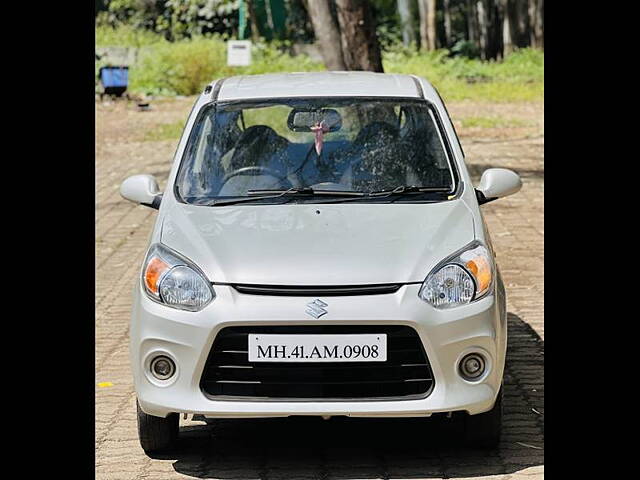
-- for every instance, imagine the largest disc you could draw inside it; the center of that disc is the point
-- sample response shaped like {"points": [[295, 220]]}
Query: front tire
{"points": [[157, 434], [483, 430]]}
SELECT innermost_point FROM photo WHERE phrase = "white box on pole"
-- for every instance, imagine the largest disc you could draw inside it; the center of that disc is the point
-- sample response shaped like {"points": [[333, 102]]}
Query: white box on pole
{"points": [[238, 53]]}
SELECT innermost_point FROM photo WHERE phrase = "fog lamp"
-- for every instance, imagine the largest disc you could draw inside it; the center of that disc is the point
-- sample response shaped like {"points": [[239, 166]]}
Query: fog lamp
{"points": [[162, 367], [472, 366]]}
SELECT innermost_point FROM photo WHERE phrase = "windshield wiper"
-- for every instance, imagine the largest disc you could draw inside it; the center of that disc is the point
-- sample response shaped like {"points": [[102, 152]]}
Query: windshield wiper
{"points": [[404, 189], [255, 195], [396, 192], [310, 191]]}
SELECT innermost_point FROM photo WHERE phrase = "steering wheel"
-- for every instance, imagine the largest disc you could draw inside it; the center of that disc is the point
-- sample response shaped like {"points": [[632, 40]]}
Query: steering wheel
{"points": [[256, 170]]}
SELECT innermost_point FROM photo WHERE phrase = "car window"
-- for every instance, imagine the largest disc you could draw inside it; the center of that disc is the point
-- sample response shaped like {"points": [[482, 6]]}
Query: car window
{"points": [[360, 145]]}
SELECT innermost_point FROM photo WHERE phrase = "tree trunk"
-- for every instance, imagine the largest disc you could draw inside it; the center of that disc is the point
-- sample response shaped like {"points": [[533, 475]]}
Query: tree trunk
{"points": [[406, 21], [540, 23], [427, 9], [472, 23], [327, 34], [521, 18], [507, 35], [431, 24], [536, 23], [255, 33], [424, 38], [482, 29], [494, 34], [446, 11], [360, 48]]}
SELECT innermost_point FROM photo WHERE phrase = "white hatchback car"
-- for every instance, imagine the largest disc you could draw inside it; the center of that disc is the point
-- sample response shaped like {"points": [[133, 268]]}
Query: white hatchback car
{"points": [[319, 250]]}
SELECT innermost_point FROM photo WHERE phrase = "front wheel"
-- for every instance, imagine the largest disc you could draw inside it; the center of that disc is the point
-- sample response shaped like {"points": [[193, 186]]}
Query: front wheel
{"points": [[483, 430], [157, 434]]}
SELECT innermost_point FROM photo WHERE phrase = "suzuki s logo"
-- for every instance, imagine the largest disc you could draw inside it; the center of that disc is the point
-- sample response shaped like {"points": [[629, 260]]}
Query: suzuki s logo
{"points": [[316, 308]]}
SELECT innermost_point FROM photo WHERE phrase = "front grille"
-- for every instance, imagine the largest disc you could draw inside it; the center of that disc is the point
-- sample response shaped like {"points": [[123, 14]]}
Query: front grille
{"points": [[405, 373], [320, 291]]}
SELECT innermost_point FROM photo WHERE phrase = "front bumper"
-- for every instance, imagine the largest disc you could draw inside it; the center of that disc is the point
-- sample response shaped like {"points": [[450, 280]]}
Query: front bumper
{"points": [[447, 335]]}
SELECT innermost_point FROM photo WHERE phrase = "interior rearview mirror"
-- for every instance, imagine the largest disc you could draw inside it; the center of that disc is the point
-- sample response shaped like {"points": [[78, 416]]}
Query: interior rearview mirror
{"points": [[300, 120], [142, 189], [497, 183]]}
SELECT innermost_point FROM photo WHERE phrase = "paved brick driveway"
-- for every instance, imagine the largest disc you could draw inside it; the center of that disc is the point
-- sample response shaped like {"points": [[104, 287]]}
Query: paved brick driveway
{"points": [[311, 448]]}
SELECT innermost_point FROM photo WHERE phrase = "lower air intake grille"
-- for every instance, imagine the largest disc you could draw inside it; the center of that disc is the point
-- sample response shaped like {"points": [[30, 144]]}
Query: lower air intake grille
{"points": [[405, 373]]}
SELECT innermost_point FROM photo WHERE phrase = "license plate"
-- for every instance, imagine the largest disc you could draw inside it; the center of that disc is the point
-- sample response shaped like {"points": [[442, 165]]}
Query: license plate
{"points": [[317, 348]]}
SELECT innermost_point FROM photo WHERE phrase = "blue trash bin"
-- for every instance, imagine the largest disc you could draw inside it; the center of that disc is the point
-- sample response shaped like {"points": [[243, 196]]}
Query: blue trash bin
{"points": [[114, 80]]}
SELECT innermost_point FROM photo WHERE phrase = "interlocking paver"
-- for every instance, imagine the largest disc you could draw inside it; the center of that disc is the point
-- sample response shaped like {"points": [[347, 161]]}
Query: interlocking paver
{"points": [[311, 448]]}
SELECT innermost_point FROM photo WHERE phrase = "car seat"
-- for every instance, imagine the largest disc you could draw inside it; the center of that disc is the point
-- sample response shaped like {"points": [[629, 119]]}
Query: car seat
{"points": [[258, 146], [424, 150], [373, 158]]}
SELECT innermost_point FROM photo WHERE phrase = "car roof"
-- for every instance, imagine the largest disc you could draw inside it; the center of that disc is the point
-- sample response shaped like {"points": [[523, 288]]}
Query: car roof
{"points": [[319, 84]]}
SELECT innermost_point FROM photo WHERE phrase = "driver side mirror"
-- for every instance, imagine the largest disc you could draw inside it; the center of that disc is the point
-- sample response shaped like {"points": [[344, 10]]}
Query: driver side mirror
{"points": [[142, 189], [497, 183]]}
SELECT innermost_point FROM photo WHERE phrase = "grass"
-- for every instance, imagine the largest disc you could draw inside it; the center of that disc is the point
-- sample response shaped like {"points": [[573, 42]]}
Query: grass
{"points": [[493, 122], [520, 77], [185, 67], [164, 131]]}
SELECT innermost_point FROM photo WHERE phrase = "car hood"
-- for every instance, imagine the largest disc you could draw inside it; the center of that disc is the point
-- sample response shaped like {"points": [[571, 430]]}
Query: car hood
{"points": [[306, 244]]}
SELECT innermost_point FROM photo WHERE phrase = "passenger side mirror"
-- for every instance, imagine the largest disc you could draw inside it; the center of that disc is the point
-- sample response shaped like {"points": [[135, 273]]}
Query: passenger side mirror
{"points": [[142, 189], [497, 183]]}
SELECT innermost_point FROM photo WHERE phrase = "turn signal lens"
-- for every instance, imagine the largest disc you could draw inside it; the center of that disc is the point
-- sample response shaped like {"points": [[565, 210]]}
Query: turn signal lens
{"points": [[478, 263], [153, 272]]}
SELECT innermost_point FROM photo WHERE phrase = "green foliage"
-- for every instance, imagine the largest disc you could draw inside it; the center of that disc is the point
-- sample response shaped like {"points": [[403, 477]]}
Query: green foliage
{"points": [[182, 68], [388, 29], [140, 14], [173, 19], [298, 25], [186, 18], [519, 77], [465, 48], [274, 57], [124, 36], [185, 67]]}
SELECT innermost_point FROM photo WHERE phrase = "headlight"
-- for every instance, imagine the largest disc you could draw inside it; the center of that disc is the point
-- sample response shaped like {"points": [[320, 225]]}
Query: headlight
{"points": [[171, 279], [465, 276]]}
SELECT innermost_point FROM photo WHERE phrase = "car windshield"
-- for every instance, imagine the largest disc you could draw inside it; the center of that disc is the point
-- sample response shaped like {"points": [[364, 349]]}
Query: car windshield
{"points": [[239, 149]]}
